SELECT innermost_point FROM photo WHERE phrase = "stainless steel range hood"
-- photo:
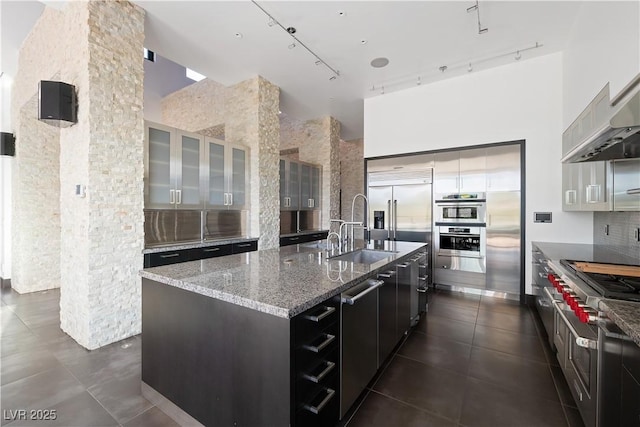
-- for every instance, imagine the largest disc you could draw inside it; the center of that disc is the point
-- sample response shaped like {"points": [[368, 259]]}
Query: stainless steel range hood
{"points": [[606, 130]]}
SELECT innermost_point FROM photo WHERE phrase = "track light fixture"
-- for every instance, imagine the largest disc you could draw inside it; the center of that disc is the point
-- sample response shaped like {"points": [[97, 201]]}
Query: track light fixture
{"points": [[476, 7], [469, 65], [296, 41]]}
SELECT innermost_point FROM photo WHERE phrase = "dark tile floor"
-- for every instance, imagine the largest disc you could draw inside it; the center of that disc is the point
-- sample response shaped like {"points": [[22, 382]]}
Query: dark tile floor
{"points": [[472, 362], [43, 368]]}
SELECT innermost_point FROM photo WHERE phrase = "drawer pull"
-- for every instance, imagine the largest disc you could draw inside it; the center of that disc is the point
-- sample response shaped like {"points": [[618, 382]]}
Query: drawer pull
{"points": [[321, 375], [243, 245], [169, 255], [422, 278], [316, 409], [317, 349], [327, 311], [422, 290], [212, 250], [294, 238]]}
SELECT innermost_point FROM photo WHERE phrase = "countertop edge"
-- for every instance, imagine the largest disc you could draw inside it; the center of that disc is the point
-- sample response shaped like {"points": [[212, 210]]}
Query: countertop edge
{"points": [[195, 245], [264, 307], [626, 315]]}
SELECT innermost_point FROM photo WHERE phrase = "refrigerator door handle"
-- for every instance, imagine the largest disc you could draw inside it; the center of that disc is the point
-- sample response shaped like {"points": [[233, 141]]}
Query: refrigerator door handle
{"points": [[395, 218], [389, 213]]}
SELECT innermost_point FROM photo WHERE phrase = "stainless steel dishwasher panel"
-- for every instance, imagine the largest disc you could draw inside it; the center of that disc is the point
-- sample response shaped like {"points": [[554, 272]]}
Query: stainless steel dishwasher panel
{"points": [[359, 324], [407, 273]]}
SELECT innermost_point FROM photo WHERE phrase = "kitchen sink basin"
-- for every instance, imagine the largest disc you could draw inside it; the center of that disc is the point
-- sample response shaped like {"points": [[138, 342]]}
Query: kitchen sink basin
{"points": [[364, 256]]}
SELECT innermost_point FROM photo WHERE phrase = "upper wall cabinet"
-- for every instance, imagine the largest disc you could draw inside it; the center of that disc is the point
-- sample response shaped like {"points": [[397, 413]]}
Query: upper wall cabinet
{"points": [[172, 168], [462, 171], [299, 186], [185, 171], [289, 185], [226, 175], [503, 168], [587, 186]]}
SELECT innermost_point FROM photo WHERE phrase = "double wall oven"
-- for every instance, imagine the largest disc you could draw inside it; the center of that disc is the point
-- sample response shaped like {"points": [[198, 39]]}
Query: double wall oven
{"points": [[582, 335], [460, 240]]}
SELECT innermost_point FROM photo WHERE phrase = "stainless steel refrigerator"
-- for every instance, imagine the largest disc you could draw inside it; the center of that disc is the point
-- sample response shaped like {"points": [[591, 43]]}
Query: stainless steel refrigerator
{"points": [[400, 205]]}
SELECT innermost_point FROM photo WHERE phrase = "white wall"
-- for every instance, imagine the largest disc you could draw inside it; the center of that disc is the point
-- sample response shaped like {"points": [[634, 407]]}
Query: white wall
{"points": [[518, 101], [604, 47]]}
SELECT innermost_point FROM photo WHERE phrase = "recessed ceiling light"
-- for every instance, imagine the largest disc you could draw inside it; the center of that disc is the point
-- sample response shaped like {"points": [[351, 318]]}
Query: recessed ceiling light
{"points": [[342, 13], [379, 62], [238, 35], [363, 41]]}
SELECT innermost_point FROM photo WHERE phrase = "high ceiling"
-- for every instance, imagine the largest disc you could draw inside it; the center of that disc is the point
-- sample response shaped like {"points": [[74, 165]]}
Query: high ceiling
{"points": [[418, 37]]}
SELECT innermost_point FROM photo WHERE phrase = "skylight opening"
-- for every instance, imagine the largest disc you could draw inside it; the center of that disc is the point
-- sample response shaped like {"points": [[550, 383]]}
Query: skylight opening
{"points": [[149, 55], [193, 75]]}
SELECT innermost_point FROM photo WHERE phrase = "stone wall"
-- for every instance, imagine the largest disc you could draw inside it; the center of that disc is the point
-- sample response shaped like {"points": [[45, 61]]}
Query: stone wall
{"points": [[101, 235], [352, 178], [35, 238], [251, 119], [196, 107]]}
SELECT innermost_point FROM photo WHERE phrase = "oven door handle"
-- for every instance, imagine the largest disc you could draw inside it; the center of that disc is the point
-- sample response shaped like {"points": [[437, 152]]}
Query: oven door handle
{"points": [[580, 340]]}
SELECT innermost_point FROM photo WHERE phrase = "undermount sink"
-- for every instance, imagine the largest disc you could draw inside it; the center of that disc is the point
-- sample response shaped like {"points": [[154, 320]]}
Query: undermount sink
{"points": [[364, 256]]}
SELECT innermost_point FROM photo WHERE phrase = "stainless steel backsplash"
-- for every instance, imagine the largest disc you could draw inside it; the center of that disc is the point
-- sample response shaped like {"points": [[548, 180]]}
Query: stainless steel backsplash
{"points": [[621, 237], [165, 227]]}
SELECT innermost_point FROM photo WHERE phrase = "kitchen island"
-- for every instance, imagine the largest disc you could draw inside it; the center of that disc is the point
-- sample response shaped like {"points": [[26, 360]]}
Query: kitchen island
{"points": [[225, 340]]}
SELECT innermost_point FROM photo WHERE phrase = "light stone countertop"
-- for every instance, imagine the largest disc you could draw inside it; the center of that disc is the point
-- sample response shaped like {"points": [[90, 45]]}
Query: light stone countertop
{"points": [[283, 281], [205, 244], [625, 314]]}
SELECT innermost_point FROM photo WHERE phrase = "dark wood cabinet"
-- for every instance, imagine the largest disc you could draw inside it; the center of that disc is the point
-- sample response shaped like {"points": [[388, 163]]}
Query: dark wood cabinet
{"points": [[316, 365], [229, 365], [630, 390], [165, 258], [173, 257], [302, 238], [238, 248]]}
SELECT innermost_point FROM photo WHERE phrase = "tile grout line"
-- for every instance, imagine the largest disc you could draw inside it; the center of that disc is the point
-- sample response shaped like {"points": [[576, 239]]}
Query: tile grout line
{"points": [[414, 406]]}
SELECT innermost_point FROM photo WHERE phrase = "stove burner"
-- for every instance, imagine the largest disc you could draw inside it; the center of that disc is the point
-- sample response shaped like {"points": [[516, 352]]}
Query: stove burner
{"points": [[609, 285]]}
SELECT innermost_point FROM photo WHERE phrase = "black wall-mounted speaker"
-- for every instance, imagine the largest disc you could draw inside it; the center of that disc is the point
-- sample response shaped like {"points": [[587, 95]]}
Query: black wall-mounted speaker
{"points": [[7, 144], [57, 101]]}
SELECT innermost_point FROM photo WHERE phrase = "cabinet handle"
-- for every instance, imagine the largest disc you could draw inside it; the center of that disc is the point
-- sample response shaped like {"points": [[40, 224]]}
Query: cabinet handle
{"points": [[169, 255], [422, 290], [179, 197], [316, 409], [317, 349], [293, 239], [570, 197], [321, 375], [172, 197], [373, 285], [633, 191], [577, 389], [422, 278], [327, 311], [593, 193], [230, 199], [211, 250], [226, 199], [387, 275], [243, 245]]}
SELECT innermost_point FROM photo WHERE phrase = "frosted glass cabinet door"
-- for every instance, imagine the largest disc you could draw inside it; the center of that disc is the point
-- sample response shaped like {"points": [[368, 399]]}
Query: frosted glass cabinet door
{"points": [[238, 178], [315, 188], [159, 169], [188, 181], [294, 185], [305, 186], [216, 191]]}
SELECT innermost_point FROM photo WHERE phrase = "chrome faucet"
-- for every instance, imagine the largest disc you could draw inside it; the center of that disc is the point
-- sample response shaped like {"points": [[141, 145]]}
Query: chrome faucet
{"points": [[366, 206]]}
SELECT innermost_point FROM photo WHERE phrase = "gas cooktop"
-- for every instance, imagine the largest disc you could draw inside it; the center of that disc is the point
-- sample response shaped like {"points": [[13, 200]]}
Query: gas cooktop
{"points": [[608, 285]]}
